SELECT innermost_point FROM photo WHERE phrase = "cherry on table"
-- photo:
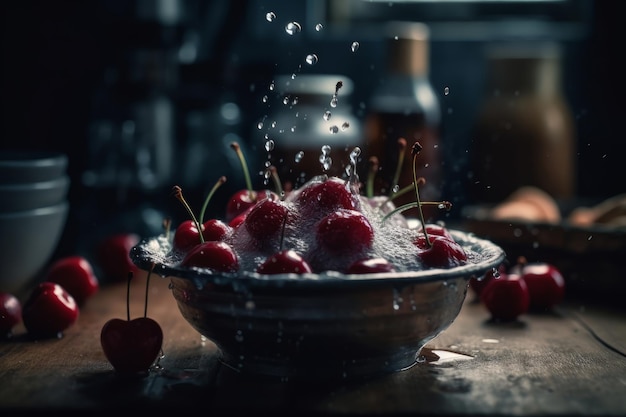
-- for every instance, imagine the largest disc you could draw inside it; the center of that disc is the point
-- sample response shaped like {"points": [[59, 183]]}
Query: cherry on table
{"points": [[132, 346], [10, 313], [49, 310], [76, 275], [506, 297], [546, 285]]}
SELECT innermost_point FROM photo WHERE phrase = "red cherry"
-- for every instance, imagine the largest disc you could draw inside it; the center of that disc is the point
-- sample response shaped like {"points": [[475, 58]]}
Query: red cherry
{"points": [[438, 230], [49, 310], [186, 236], [10, 313], [345, 231], [370, 266], [478, 285], [546, 285], [506, 297], [442, 252], [265, 219], [113, 255], [327, 196], [76, 275], [283, 262], [243, 200], [132, 346], [215, 229], [216, 255]]}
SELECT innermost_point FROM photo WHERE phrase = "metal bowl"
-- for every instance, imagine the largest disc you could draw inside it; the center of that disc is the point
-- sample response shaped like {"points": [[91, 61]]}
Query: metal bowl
{"points": [[320, 326]]}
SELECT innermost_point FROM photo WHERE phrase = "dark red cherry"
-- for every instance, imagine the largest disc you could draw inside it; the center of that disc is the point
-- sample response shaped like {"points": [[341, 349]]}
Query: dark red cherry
{"points": [[442, 252], [265, 219], [186, 236], [370, 266], [215, 255], [244, 199], [327, 196], [436, 229], [215, 229], [284, 262], [345, 231]]}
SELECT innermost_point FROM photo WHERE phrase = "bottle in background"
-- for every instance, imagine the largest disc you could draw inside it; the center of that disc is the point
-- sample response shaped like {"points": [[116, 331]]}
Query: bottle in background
{"points": [[405, 106], [525, 133]]}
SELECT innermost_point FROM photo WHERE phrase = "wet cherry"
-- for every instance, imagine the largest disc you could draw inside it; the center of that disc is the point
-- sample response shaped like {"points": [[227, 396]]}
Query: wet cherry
{"points": [[370, 266], [345, 231], [215, 255], [10, 313], [49, 310], [506, 297], [76, 275], [283, 262]]}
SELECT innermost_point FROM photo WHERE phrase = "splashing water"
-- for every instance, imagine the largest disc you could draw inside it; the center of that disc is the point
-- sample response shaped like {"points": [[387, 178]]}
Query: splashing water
{"points": [[311, 59], [327, 115], [292, 28]]}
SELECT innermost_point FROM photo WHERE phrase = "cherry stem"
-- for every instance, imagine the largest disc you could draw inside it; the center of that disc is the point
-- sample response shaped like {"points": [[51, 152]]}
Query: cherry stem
{"points": [[145, 304], [440, 204], [244, 165], [406, 189], [167, 225], [396, 176], [277, 184], [415, 150], [130, 276], [178, 193], [371, 174], [217, 185]]}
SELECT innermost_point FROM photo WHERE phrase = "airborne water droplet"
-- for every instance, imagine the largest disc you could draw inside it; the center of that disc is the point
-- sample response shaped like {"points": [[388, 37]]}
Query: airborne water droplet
{"points": [[299, 156], [270, 16], [446, 91], [265, 98], [333, 101], [334, 129], [269, 145], [319, 27], [355, 46], [272, 85], [286, 100], [292, 28], [327, 115], [345, 125], [328, 162], [326, 150], [311, 59]]}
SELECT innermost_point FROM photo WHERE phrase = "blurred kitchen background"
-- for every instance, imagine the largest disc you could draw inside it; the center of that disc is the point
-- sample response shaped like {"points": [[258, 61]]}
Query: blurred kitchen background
{"points": [[146, 94]]}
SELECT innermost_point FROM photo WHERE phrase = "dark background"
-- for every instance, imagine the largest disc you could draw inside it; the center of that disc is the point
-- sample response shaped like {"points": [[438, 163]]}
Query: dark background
{"points": [[69, 67]]}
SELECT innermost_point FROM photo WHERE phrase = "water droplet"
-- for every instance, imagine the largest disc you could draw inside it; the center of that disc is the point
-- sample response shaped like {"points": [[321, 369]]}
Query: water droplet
{"points": [[395, 188], [328, 162], [354, 155], [270, 16], [269, 145], [293, 76], [274, 124], [311, 59], [319, 27], [259, 125], [294, 101], [334, 101], [286, 100], [293, 129], [355, 46], [299, 156], [327, 115], [264, 99], [239, 336], [334, 129], [292, 28], [272, 86], [326, 150], [345, 125], [446, 91]]}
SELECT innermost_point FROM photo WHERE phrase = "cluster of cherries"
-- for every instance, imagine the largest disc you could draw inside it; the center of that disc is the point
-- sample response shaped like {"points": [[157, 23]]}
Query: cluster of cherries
{"points": [[325, 220], [525, 287]]}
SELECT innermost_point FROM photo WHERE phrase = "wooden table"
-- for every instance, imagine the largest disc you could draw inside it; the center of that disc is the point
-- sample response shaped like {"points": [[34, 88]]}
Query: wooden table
{"points": [[549, 364]]}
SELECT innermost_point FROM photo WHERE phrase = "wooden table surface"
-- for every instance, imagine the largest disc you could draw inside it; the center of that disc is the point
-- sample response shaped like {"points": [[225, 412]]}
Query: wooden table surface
{"points": [[568, 362]]}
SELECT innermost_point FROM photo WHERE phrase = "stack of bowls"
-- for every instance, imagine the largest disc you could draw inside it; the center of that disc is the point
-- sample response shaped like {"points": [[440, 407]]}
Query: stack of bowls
{"points": [[33, 212]]}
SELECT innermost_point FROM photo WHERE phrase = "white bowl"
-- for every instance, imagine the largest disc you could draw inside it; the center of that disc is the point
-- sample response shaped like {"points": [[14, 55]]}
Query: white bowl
{"points": [[29, 238], [32, 195], [31, 166]]}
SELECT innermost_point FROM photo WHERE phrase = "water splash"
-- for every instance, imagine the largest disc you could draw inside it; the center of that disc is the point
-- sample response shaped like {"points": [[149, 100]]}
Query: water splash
{"points": [[292, 28], [327, 115], [311, 59]]}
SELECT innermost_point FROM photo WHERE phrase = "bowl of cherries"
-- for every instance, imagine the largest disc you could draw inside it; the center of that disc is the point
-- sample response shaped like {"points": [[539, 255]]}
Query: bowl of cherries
{"points": [[324, 281]]}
